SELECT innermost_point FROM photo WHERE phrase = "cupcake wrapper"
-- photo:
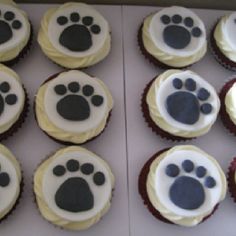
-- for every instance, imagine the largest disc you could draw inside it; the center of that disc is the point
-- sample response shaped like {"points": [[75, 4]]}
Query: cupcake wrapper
{"points": [[23, 52], [223, 113], [218, 55], [18, 124], [231, 179], [156, 129], [151, 58], [143, 190]]}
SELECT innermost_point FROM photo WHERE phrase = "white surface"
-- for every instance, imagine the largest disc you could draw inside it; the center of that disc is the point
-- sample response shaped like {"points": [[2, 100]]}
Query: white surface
{"points": [[142, 143], [31, 145]]}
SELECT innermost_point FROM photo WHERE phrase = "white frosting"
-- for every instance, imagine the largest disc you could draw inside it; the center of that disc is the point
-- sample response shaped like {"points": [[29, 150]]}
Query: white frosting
{"points": [[229, 30], [157, 27], [51, 99], [19, 35], [166, 89], [11, 111], [163, 182], [230, 103], [55, 30], [101, 194], [8, 193]]}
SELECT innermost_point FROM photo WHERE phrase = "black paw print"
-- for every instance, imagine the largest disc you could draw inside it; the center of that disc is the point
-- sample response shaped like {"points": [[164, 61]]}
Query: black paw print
{"points": [[77, 37], [75, 194], [8, 23], [179, 36], [188, 192], [185, 106], [76, 107], [6, 97]]}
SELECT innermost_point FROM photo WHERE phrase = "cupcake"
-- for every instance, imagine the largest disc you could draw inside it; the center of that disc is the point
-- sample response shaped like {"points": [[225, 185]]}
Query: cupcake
{"points": [[13, 102], [11, 183], [228, 105], [173, 37], [74, 35], [180, 105], [16, 33], [182, 185], [73, 107], [73, 188], [223, 41]]}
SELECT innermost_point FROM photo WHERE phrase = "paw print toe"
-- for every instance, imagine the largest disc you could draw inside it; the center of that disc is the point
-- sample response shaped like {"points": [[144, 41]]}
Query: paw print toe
{"points": [[185, 105], [210, 182], [178, 31], [176, 19], [75, 106], [11, 99], [172, 170], [62, 20], [188, 191], [4, 179], [74, 17], [206, 108], [177, 83], [78, 36], [188, 166], [97, 100], [190, 84], [201, 171], [75, 194], [196, 32], [59, 170], [165, 19], [72, 165], [99, 178]]}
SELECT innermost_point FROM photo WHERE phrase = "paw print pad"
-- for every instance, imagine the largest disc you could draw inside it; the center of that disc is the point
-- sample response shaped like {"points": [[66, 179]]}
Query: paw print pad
{"points": [[6, 97], [76, 101], [188, 192], [78, 31], [188, 102], [8, 24], [178, 31], [75, 193]]}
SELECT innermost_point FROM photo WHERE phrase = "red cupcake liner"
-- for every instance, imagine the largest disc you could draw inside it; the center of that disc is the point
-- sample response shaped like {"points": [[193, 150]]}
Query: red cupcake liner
{"points": [[231, 179], [155, 128], [225, 118], [218, 55], [143, 190]]}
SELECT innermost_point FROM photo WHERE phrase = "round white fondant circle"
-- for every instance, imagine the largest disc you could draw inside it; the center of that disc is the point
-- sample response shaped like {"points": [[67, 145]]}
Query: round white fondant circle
{"points": [[164, 182], [51, 183], [55, 30], [166, 88], [18, 34], [230, 30], [8, 193], [11, 111], [156, 29], [51, 99]]}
